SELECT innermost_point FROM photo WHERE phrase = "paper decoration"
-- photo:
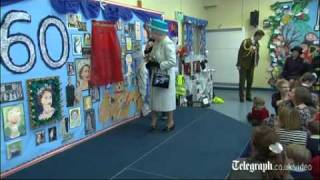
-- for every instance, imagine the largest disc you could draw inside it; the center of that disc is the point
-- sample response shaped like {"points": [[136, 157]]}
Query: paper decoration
{"points": [[44, 100], [13, 121], [40, 137], [75, 117], [83, 68], [14, 149], [77, 45], [90, 121], [11, 92], [291, 26]]}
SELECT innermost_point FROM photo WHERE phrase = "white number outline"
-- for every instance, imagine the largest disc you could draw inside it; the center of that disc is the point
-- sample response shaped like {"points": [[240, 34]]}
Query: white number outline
{"points": [[52, 21], [9, 40]]}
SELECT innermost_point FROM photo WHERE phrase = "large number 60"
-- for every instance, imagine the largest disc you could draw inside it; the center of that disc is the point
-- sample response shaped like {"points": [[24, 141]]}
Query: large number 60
{"points": [[8, 40]]}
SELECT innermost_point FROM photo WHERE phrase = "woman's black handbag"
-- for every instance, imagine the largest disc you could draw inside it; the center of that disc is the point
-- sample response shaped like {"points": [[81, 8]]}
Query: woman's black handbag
{"points": [[160, 80]]}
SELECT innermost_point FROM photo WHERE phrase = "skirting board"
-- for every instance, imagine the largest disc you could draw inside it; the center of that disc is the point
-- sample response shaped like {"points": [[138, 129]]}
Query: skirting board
{"points": [[64, 148], [235, 86]]}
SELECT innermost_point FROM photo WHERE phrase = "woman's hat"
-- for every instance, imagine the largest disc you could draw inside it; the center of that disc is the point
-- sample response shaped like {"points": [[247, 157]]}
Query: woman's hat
{"points": [[159, 25], [297, 48]]}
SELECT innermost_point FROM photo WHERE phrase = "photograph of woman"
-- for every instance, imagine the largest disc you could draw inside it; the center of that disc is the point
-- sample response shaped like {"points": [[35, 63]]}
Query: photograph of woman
{"points": [[83, 73], [70, 68], [45, 103], [52, 134], [44, 100], [87, 39], [40, 137], [77, 44], [90, 121], [13, 120], [75, 118]]}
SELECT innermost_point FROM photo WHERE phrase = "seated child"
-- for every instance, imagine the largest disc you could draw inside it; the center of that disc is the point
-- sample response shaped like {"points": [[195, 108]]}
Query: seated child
{"points": [[298, 161], [313, 141], [259, 113], [315, 163]]}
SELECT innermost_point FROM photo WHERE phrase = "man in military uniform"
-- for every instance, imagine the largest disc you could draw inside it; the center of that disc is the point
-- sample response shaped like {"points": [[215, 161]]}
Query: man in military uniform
{"points": [[248, 58]]}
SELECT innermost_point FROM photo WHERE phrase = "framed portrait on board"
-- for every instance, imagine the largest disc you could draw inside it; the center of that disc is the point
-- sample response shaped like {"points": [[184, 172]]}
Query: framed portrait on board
{"points": [[75, 117], [86, 39], [119, 25], [138, 30], [77, 45], [14, 149], [13, 121], [40, 137], [73, 20], [11, 91], [52, 132], [95, 94], [82, 26], [87, 102], [86, 51], [90, 121], [44, 100], [70, 69], [128, 43], [83, 73]]}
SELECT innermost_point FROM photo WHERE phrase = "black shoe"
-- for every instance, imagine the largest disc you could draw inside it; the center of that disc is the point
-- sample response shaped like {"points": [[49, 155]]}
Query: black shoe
{"points": [[168, 129], [152, 128], [241, 100], [249, 99]]}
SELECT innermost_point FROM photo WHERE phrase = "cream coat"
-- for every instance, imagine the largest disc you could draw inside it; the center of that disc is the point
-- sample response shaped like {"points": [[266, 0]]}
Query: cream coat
{"points": [[162, 99]]}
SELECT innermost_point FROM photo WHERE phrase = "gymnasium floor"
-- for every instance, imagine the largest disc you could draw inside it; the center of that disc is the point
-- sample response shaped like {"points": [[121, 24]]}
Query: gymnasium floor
{"points": [[203, 145]]}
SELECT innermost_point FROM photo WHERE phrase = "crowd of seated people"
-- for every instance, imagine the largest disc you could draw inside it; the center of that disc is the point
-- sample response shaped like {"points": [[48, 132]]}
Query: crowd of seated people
{"points": [[292, 139]]}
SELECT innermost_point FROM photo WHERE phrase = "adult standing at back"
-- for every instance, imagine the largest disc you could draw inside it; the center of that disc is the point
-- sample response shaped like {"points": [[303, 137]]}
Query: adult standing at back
{"points": [[248, 58], [163, 61]]}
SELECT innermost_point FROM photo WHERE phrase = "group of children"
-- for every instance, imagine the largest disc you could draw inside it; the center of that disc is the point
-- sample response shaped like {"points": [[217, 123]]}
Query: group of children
{"points": [[290, 138]]}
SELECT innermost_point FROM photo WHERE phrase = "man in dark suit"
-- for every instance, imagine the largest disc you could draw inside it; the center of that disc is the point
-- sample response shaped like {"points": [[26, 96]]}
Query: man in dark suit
{"points": [[248, 58]]}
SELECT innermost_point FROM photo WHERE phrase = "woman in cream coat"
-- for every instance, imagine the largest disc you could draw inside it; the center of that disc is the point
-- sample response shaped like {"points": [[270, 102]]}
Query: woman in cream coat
{"points": [[163, 60]]}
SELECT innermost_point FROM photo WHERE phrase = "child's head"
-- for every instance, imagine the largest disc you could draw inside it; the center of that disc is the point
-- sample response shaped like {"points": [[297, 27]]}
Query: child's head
{"points": [[283, 85], [308, 79], [289, 118], [266, 148], [299, 154], [262, 137], [258, 102], [301, 95], [314, 127]]}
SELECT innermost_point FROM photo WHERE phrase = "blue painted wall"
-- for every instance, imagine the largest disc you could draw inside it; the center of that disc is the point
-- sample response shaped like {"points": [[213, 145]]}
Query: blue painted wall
{"points": [[39, 9]]}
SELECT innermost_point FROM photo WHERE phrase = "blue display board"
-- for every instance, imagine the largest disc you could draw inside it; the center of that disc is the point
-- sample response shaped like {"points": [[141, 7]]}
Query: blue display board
{"points": [[38, 49]]}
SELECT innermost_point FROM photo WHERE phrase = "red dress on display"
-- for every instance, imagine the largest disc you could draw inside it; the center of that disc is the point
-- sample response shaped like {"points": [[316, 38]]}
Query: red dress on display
{"points": [[105, 54]]}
